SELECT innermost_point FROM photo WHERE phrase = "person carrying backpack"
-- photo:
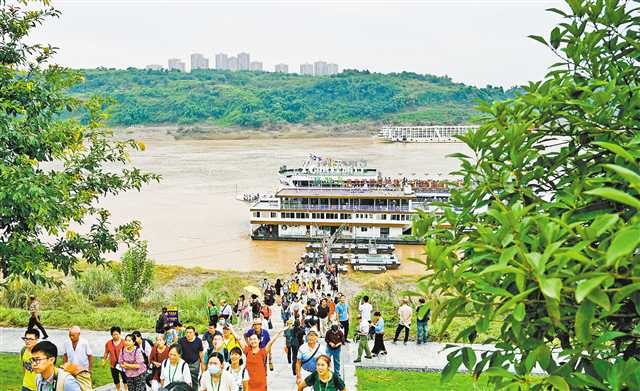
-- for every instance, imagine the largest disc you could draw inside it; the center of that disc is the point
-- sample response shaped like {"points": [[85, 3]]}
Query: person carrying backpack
{"points": [[163, 321], [73, 378], [132, 361]]}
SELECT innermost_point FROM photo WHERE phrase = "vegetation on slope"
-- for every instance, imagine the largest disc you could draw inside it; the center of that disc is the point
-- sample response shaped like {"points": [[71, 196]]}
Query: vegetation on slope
{"points": [[261, 99]]}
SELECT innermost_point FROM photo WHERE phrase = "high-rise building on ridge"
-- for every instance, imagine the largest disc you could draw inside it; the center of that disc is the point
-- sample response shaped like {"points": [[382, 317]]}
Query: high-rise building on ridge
{"points": [[222, 61], [198, 61], [233, 63], [255, 66], [154, 67], [244, 61], [320, 68], [282, 68], [176, 64], [332, 69], [306, 69]]}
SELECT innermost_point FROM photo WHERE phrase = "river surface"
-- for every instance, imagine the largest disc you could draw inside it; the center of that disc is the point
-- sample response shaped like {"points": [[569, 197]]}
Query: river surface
{"points": [[192, 217]]}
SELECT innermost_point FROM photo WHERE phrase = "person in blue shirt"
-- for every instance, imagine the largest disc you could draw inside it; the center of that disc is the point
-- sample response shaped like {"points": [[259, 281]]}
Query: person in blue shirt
{"points": [[43, 359], [378, 343], [342, 309]]}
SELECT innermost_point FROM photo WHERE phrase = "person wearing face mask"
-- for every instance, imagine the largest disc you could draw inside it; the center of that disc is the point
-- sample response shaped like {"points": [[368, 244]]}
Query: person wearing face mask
{"points": [[334, 339], [215, 378]]}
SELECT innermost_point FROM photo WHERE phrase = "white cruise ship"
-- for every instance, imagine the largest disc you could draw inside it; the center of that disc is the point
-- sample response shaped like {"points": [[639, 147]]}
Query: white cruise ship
{"points": [[383, 214], [424, 134], [318, 171]]}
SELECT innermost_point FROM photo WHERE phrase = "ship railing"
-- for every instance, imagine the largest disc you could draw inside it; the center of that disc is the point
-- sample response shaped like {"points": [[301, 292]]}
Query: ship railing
{"points": [[363, 208]]}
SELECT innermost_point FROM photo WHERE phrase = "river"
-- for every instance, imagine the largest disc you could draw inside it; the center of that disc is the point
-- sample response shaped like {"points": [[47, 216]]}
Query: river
{"points": [[192, 218]]}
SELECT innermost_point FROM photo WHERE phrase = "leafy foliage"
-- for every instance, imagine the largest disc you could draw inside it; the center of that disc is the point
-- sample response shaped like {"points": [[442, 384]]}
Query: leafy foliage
{"points": [[52, 171], [135, 274], [95, 282], [543, 235], [257, 99]]}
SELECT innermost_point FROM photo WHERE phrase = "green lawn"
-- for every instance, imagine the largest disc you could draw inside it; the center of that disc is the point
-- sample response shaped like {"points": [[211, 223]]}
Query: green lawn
{"points": [[381, 380], [11, 373]]}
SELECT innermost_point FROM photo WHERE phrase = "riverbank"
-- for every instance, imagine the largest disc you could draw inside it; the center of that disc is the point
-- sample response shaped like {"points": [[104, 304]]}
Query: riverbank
{"points": [[206, 131]]}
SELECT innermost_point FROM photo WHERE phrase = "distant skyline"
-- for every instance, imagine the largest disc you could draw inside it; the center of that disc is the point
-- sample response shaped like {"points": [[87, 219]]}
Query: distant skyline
{"points": [[475, 42]]}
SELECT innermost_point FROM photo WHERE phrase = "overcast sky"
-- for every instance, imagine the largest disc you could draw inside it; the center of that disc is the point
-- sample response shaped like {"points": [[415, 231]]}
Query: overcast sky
{"points": [[477, 42]]}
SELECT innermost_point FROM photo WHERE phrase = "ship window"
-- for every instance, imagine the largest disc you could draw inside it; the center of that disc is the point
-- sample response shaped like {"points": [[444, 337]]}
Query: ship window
{"points": [[274, 214], [256, 214], [383, 216], [363, 229]]}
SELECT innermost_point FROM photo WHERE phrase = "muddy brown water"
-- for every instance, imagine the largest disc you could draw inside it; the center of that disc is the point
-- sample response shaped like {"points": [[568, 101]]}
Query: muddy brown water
{"points": [[192, 217]]}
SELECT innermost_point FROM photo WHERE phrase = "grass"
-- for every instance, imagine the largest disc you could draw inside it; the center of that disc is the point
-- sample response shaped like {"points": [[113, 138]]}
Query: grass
{"points": [[384, 293], [382, 380], [189, 289], [11, 378]]}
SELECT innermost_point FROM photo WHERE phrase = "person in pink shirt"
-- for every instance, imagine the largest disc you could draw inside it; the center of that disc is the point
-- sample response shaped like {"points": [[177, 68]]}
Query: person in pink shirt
{"points": [[132, 361]]}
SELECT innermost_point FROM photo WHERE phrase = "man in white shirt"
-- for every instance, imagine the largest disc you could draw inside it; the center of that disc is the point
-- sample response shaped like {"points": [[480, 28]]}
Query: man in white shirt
{"points": [[365, 309], [404, 314], [77, 350]]}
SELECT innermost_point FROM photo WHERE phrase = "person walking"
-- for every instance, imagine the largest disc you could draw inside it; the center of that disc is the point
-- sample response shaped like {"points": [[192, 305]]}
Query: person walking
{"points": [[192, 353], [112, 350], [342, 311], [404, 322], [163, 323], [334, 339], [174, 369], [77, 350], [212, 312], [34, 319], [159, 353], [323, 379], [132, 361], [307, 355], [238, 370], [378, 343], [43, 359], [256, 359], [365, 308], [215, 378], [30, 339], [225, 311], [323, 314], [295, 338], [363, 340], [263, 336], [422, 321]]}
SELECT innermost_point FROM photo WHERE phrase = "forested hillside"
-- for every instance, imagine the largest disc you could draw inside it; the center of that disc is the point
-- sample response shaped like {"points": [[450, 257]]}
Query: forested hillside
{"points": [[257, 99]]}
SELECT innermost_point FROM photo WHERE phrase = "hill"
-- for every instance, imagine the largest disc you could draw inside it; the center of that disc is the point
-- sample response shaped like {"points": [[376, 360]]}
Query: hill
{"points": [[260, 99]]}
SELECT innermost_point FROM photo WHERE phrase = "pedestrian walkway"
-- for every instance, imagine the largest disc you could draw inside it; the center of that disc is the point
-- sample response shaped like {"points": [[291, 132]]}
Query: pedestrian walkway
{"points": [[280, 379]]}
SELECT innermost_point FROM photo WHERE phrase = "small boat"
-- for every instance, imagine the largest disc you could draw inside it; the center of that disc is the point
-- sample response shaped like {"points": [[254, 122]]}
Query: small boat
{"points": [[370, 269], [389, 261], [354, 248]]}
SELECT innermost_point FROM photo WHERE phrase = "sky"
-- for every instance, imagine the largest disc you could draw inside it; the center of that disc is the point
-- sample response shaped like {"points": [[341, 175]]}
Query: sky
{"points": [[477, 42]]}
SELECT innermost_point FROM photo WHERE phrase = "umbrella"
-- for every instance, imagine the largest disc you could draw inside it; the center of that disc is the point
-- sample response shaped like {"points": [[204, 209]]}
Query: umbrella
{"points": [[253, 290]]}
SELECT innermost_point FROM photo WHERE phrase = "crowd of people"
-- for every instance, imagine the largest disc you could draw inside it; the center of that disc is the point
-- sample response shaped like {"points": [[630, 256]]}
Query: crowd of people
{"points": [[235, 352]]}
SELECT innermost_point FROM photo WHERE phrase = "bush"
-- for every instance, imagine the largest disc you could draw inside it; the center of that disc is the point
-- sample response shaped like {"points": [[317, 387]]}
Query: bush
{"points": [[135, 274], [17, 292], [96, 281]]}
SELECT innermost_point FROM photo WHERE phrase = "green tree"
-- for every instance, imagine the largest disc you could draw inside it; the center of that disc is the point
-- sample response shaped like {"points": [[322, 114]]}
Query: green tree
{"points": [[542, 236], [135, 274], [53, 171]]}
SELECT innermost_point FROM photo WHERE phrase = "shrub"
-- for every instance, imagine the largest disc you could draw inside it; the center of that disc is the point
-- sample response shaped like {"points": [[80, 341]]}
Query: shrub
{"points": [[135, 273], [96, 281]]}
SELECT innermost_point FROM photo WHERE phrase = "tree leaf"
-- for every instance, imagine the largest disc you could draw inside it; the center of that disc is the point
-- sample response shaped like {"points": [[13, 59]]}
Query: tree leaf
{"points": [[625, 241], [519, 312], [551, 287], [628, 175], [599, 297], [539, 39], [450, 369], [468, 358], [584, 318], [615, 195], [558, 383], [617, 149], [586, 286], [602, 223]]}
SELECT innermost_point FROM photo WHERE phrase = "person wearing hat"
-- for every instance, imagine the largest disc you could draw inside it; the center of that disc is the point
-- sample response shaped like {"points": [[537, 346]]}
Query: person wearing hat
{"points": [[263, 336], [334, 339], [229, 340], [307, 355]]}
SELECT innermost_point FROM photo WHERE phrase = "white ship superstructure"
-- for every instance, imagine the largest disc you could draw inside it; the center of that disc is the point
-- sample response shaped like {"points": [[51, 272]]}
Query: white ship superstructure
{"points": [[326, 172], [425, 134], [312, 213]]}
